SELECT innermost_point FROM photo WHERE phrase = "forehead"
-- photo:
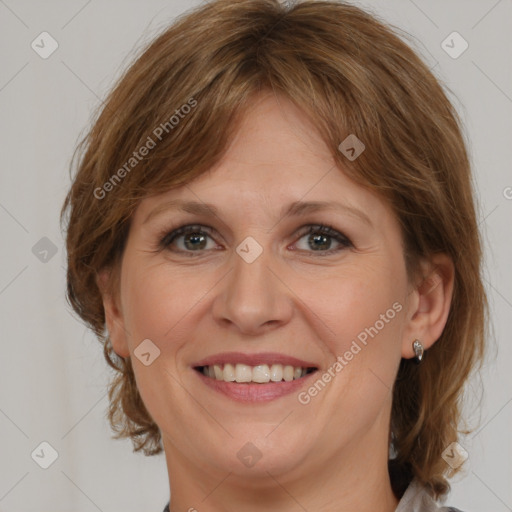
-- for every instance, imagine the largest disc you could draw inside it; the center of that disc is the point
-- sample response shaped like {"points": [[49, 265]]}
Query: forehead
{"points": [[275, 158]]}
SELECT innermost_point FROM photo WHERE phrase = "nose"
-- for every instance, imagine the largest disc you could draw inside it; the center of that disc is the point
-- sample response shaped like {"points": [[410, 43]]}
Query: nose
{"points": [[253, 298]]}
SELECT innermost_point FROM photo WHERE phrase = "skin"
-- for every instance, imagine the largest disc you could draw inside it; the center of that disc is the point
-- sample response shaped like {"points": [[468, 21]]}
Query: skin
{"points": [[332, 453]]}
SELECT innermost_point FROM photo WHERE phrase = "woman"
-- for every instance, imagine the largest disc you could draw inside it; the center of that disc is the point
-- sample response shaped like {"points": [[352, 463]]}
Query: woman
{"points": [[272, 230]]}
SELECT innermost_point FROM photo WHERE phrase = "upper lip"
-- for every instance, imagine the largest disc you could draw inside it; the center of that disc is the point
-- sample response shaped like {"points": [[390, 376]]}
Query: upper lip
{"points": [[254, 359]]}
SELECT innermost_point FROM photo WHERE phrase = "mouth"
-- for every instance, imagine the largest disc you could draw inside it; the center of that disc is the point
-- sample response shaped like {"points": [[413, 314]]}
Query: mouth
{"points": [[258, 374], [254, 377]]}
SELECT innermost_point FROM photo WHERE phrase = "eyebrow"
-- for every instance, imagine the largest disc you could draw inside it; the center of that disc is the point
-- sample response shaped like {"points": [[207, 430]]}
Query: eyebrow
{"points": [[297, 208]]}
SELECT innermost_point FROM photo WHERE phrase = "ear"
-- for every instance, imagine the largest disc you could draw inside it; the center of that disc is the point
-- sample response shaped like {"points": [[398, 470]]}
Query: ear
{"points": [[429, 304], [113, 314]]}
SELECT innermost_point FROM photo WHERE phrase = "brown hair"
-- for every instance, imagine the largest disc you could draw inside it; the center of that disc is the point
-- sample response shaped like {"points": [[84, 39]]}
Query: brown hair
{"points": [[353, 75]]}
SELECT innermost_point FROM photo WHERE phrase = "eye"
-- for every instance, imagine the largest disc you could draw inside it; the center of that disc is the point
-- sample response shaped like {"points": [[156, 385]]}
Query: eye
{"points": [[194, 238], [319, 239]]}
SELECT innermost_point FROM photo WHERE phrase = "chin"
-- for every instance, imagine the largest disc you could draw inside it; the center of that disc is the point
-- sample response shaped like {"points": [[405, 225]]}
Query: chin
{"points": [[263, 451]]}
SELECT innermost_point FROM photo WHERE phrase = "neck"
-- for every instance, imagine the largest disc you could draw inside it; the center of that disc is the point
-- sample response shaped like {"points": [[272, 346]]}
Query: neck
{"points": [[353, 478]]}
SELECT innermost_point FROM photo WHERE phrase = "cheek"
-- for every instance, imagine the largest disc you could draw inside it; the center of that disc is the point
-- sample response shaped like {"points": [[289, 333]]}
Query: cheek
{"points": [[372, 311], [156, 306], [369, 325], [153, 303], [361, 303], [363, 306]]}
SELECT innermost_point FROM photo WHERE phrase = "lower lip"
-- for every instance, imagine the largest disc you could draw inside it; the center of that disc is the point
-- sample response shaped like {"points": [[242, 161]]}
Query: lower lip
{"points": [[246, 392]]}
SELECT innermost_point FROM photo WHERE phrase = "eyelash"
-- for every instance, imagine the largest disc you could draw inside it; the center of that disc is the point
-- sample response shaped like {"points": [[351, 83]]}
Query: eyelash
{"points": [[169, 237]]}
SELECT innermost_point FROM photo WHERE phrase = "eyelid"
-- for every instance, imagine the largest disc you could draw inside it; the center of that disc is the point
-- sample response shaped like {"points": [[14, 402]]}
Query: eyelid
{"points": [[181, 230], [167, 237]]}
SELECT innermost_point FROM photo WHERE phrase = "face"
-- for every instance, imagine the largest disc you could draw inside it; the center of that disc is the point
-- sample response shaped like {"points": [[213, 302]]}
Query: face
{"points": [[249, 284]]}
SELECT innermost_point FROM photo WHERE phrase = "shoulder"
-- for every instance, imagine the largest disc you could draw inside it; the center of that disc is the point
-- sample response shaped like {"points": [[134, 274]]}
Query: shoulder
{"points": [[417, 499]]}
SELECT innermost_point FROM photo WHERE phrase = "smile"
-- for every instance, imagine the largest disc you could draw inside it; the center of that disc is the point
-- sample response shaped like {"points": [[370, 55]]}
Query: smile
{"points": [[254, 377], [260, 374]]}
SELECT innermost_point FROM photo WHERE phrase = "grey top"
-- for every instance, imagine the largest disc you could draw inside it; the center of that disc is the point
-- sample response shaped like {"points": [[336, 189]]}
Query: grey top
{"points": [[415, 499]]}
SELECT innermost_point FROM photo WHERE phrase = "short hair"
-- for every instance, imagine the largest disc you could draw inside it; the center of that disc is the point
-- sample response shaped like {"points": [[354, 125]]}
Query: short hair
{"points": [[183, 99]]}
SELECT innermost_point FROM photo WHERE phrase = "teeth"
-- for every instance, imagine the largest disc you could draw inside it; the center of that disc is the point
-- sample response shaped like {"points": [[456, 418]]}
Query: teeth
{"points": [[276, 372], [261, 373], [288, 373], [228, 374], [219, 374], [243, 373]]}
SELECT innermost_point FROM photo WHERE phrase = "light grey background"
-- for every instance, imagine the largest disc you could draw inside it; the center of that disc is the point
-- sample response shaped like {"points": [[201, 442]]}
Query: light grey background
{"points": [[52, 373]]}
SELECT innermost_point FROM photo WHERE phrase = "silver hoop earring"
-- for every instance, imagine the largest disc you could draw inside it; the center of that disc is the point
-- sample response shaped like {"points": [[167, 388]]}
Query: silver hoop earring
{"points": [[418, 350]]}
